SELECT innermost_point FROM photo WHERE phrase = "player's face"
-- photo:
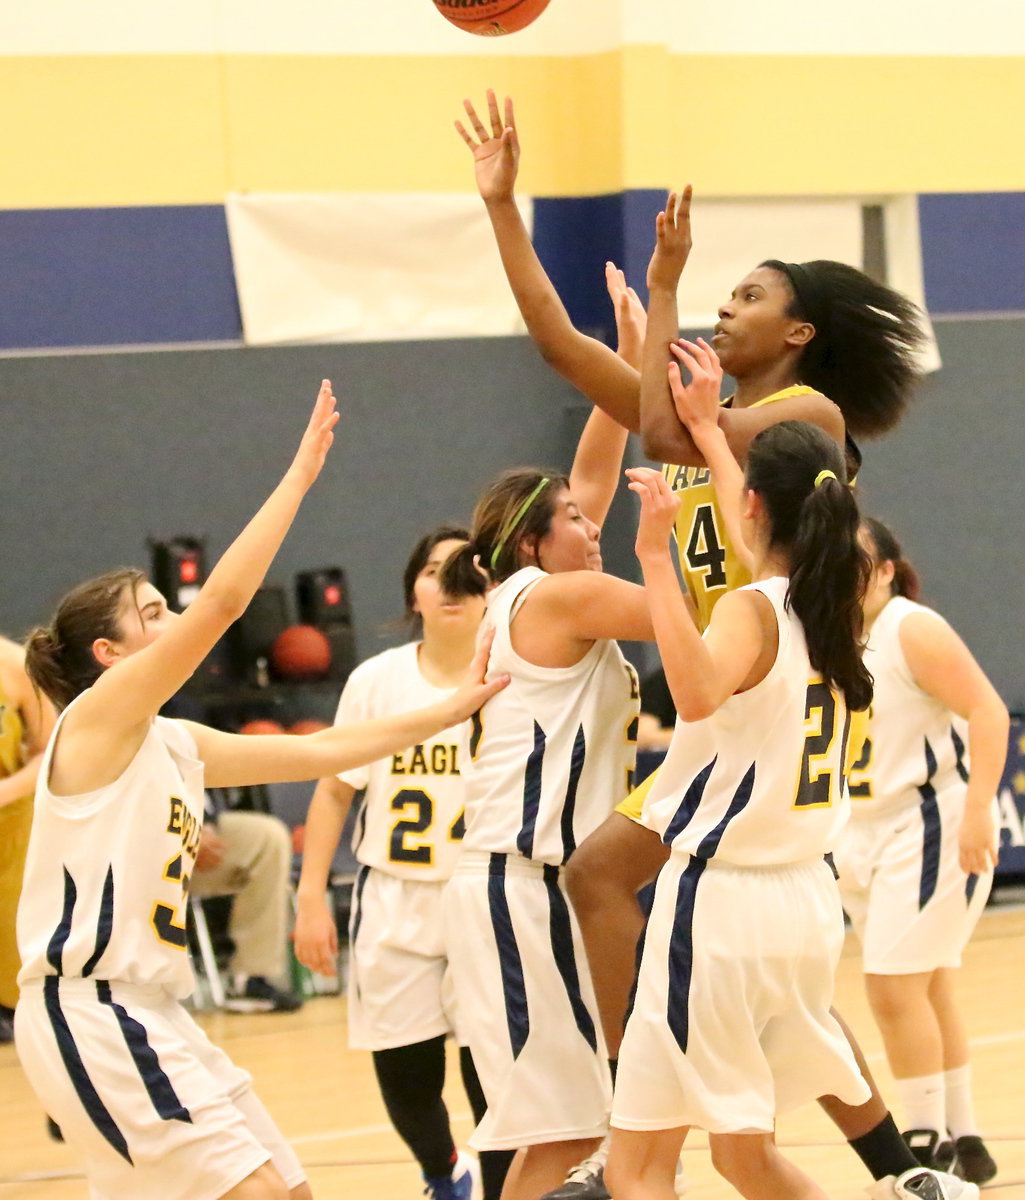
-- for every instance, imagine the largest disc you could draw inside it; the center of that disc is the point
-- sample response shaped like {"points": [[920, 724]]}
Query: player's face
{"points": [[879, 590], [572, 542], [438, 611], [753, 330], [143, 617]]}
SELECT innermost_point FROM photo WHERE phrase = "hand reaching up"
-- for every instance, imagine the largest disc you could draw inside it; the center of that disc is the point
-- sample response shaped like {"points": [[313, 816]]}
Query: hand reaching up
{"points": [[317, 439], [696, 402], [659, 504], [672, 242], [631, 319], [496, 155]]}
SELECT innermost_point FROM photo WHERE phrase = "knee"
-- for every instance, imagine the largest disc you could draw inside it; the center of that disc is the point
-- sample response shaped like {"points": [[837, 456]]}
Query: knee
{"points": [[620, 1181], [888, 996], [739, 1160]]}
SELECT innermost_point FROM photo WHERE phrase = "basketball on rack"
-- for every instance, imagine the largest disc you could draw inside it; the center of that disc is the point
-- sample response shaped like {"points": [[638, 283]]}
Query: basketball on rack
{"points": [[301, 652], [491, 18]]}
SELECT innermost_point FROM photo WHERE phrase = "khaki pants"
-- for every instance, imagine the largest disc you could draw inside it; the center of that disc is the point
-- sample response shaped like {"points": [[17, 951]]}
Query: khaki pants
{"points": [[15, 826], [256, 871]]}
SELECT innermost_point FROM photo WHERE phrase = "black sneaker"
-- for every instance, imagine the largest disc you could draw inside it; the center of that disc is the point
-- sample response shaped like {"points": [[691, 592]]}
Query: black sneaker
{"points": [[6, 1025], [943, 1157], [923, 1144], [260, 995], [585, 1181], [972, 1161]]}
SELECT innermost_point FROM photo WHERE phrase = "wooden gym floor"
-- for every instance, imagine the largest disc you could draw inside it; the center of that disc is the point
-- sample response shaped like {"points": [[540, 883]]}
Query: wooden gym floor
{"points": [[325, 1099]]}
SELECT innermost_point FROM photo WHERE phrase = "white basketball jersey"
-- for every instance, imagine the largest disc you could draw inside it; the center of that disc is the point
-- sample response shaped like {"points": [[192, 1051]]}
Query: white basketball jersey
{"points": [[916, 747], [759, 782], [107, 874], [556, 748], [411, 820]]}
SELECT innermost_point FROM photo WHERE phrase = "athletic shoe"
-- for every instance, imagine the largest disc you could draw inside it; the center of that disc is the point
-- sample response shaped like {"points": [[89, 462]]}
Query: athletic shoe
{"points": [[6, 1025], [457, 1186], [586, 1181], [943, 1156], [254, 994], [923, 1144], [972, 1161], [922, 1184]]}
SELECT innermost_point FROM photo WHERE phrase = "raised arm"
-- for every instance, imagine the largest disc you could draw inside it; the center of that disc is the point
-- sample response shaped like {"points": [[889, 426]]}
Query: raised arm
{"points": [[134, 689], [589, 365], [697, 405], [239, 760], [943, 667], [739, 646], [316, 935], [599, 458]]}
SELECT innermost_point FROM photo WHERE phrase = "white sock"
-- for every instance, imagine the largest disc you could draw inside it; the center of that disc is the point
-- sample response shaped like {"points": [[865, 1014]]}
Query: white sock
{"points": [[923, 1102], [960, 1106]]}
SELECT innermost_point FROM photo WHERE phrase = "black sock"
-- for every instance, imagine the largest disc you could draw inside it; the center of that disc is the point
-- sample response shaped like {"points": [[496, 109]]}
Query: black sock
{"points": [[411, 1079], [494, 1164], [883, 1150]]}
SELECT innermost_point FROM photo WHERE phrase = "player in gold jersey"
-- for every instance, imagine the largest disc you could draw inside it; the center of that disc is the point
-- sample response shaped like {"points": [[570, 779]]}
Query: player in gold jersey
{"points": [[818, 342]]}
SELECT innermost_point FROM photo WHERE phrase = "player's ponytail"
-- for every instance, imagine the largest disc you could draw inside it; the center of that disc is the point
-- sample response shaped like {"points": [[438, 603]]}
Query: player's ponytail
{"points": [[866, 337], [515, 511], [886, 548], [799, 473], [59, 657]]}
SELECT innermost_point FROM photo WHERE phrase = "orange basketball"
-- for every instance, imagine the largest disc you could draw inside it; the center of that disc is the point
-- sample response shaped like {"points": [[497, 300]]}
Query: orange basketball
{"points": [[308, 725], [301, 652], [262, 725], [491, 18]]}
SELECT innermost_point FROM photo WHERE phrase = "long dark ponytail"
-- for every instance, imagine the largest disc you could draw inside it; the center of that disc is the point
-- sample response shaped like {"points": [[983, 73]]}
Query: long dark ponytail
{"points": [[799, 473]]}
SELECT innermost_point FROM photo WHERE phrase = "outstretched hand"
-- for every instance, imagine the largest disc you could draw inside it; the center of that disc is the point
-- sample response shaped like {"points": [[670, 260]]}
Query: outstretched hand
{"points": [[631, 319], [474, 692], [672, 242], [496, 155], [319, 435], [659, 504], [697, 402]]}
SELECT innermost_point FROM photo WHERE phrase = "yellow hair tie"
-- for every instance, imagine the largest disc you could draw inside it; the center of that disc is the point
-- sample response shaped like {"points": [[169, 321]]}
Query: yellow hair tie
{"points": [[822, 476]]}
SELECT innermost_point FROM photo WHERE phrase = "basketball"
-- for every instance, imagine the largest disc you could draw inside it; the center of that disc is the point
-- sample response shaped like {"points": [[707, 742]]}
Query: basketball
{"points": [[308, 725], [491, 18], [301, 652], [261, 725]]}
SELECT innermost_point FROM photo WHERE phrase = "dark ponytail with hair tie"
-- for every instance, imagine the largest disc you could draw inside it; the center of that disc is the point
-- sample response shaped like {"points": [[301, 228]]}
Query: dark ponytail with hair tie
{"points": [[799, 473]]}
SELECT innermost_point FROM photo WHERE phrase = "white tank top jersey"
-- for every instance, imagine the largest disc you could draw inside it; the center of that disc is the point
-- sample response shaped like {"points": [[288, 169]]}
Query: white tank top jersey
{"points": [[107, 874], [760, 782], [556, 748], [916, 747], [410, 823]]}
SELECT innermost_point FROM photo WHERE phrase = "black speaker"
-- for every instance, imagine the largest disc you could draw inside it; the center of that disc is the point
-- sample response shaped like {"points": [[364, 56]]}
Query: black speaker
{"points": [[179, 569], [322, 600], [251, 637]]}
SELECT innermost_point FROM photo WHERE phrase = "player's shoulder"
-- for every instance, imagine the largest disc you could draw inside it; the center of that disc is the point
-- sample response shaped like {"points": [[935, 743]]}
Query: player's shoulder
{"points": [[395, 661]]}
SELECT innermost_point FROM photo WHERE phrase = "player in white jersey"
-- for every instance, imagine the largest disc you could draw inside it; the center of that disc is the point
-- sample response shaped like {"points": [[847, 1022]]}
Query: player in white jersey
{"points": [[916, 862], [732, 1022], [407, 836], [547, 768], [154, 1110]]}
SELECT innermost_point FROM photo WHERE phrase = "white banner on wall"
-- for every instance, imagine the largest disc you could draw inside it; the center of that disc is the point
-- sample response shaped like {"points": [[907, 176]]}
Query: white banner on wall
{"points": [[361, 267]]}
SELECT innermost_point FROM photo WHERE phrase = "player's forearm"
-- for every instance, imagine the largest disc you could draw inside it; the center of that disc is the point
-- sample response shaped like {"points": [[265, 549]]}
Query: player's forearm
{"points": [[597, 465], [988, 730], [728, 481], [664, 436], [324, 823], [685, 659]]}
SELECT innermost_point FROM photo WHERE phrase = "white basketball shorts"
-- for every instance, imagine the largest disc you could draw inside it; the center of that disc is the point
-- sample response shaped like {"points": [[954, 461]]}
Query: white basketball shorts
{"points": [[526, 1003], [731, 1022], [910, 904], [155, 1110]]}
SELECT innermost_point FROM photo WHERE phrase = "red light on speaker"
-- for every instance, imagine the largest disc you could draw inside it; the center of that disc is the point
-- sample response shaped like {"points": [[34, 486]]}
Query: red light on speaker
{"points": [[188, 570], [332, 594]]}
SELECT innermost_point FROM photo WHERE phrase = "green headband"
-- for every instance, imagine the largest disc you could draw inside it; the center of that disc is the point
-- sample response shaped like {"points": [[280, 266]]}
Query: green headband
{"points": [[521, 512]]}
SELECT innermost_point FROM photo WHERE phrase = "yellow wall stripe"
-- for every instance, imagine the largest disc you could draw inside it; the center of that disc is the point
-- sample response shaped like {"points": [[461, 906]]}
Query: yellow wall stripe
{"points": [[115, 130]]}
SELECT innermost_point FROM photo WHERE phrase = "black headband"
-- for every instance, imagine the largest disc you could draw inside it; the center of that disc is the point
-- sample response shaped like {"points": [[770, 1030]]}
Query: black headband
{"points": [[811, 300]]}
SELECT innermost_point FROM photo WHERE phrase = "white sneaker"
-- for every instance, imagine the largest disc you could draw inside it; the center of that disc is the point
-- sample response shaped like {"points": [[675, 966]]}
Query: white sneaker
{"points": [[586, 1181], [920, 1183], [680, 1182]]}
